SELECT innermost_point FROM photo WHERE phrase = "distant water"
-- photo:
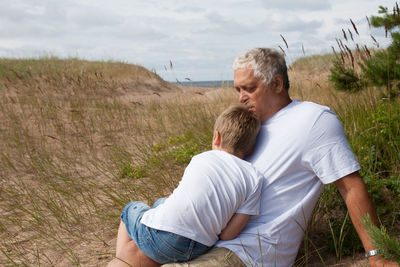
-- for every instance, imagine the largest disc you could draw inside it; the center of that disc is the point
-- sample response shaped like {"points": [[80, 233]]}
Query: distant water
{"points": [[214, 84]]}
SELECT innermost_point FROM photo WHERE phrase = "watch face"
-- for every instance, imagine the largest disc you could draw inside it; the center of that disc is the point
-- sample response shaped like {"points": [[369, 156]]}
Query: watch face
{"points": [[371, 253]]}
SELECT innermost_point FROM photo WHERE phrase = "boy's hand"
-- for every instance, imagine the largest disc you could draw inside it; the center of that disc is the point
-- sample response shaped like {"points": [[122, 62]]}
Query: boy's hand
{"points": [[234, 226]]}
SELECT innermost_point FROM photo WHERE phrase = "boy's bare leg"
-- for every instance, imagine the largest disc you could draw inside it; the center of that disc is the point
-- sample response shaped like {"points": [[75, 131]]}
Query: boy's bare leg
{"points": [[128, 254], [122, 237]]}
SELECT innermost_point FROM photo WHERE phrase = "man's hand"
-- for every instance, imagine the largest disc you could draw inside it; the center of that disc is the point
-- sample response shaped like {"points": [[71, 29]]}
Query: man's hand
{"points": [[376, 261]]}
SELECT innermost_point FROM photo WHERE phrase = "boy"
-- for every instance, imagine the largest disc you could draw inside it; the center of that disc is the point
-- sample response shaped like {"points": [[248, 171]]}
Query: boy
{"points": [[215, 198]]}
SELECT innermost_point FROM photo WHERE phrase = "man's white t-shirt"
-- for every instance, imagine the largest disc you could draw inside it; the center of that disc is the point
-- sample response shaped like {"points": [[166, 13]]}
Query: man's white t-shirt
{"points": [[215, 185], [299, 149]]}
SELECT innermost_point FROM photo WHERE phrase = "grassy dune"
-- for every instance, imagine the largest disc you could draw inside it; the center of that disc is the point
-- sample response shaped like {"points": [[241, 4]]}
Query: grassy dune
{"points": [[80, 139]]}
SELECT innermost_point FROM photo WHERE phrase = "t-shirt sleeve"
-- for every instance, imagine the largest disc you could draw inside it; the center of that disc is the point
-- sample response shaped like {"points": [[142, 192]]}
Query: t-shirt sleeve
{"points": [[328, 152], [251, 206]]}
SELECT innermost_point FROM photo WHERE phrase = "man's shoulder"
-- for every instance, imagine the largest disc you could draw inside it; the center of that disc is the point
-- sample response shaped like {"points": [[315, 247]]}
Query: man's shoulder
{"points": [[312, 106], [299, 115], [309, 112]]}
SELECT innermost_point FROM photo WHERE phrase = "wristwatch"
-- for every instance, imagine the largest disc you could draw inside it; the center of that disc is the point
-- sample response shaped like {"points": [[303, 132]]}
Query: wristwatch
{"points": [[372, 253]]}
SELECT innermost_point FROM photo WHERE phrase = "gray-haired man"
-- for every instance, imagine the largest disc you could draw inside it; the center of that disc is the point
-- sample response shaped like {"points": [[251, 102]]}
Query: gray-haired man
{"points": [[300, 148]]}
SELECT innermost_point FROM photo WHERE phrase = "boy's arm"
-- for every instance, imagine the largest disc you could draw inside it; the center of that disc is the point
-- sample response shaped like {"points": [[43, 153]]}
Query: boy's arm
{"points": [[234, 226]]}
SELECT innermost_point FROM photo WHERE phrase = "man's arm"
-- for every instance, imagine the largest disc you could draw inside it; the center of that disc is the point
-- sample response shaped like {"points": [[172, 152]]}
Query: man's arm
{"points": [[234, 226], [355, 195]]}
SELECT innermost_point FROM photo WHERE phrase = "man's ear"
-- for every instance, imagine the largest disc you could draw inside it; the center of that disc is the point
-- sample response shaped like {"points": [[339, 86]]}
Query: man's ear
{"points": [[216, 139], [278, 83]]}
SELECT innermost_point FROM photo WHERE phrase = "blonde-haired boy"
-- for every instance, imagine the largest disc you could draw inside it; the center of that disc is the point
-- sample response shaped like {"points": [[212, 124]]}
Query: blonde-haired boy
{"points": [[215, 198]]}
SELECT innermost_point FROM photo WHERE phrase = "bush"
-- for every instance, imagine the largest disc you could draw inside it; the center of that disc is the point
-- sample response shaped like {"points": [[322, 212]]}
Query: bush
{"points": [[379, 69], [175, 153], [388, 246], [383, 69], [344, 78]]}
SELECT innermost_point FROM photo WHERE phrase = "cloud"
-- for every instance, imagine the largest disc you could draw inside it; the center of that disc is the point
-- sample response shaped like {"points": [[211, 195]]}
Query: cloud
{"points": [[290, 5], [19, 19], [49, 19], [90, 17], [219, 25], [189, 9], [293, 23], [138, 33]]}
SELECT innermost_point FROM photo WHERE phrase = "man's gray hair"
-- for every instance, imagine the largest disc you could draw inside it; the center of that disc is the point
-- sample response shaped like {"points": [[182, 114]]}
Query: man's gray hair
{"points": [[266, 63]]}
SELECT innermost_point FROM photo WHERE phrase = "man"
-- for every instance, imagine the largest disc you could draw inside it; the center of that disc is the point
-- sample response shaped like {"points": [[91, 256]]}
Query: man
{"points": [[301, 147]]}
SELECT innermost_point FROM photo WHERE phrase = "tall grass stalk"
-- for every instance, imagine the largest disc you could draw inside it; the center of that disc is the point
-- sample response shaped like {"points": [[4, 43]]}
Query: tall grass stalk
{"points": [[338, 240]]}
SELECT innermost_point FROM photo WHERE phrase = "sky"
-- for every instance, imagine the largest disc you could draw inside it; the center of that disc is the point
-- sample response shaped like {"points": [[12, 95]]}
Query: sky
{"points": [[181, 40]]}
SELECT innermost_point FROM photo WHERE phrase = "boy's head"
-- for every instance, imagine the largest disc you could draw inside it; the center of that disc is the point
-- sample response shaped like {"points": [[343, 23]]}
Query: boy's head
{"points": [[236, 130]]}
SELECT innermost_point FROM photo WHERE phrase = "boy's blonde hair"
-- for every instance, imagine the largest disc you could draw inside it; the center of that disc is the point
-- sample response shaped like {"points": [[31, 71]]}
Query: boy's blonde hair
{"points": [[239, 128]]}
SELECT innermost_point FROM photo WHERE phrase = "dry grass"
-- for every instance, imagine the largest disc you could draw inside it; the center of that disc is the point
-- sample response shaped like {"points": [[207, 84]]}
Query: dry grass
{"points": [[68, 128]]}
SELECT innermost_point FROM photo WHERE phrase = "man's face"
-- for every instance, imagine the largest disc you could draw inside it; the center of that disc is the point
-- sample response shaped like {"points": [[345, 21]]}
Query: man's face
{"points": [[252, 91]]}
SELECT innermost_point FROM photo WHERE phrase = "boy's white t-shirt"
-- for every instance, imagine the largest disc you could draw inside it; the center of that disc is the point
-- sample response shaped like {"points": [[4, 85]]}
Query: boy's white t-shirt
{"points": [[298, 150], [215, 185]]}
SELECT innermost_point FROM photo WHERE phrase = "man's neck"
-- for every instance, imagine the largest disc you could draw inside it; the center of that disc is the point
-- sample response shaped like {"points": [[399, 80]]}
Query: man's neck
{"points": [[277, 107]]}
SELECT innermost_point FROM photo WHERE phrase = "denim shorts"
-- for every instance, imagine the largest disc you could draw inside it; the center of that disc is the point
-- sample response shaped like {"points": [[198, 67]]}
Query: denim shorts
{"points": [[161, 246]]}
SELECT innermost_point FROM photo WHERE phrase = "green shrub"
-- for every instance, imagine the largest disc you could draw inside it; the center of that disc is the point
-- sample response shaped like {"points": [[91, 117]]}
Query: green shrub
{"points": [[383, 68], [344, 78], [379, 69], [133, 172], [184, 148], [388, 246], [176, 152]]}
